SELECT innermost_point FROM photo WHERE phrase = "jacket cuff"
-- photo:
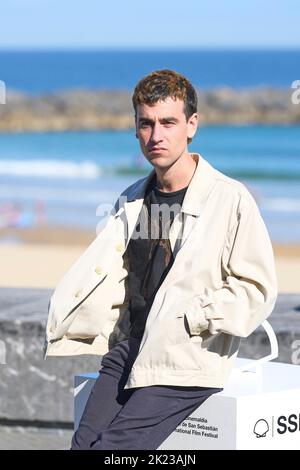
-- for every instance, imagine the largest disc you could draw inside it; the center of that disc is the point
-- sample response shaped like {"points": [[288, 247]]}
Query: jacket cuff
{"points": [[195, 314], [196, 321]]}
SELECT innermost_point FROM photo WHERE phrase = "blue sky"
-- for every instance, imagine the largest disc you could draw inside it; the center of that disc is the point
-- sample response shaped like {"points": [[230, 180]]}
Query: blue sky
{"points": [[150, 24]]}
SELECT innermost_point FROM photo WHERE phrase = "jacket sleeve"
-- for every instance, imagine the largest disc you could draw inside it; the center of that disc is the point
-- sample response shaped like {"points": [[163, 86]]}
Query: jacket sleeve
{"points": [[249, 290]]}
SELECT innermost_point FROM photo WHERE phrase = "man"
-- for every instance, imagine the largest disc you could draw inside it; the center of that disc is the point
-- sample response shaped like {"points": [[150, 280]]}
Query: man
{"points": [[181, 271]]}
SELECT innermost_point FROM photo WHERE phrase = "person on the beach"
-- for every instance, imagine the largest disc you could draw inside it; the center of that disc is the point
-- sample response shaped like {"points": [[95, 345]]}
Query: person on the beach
{"points": [[182, 269]]}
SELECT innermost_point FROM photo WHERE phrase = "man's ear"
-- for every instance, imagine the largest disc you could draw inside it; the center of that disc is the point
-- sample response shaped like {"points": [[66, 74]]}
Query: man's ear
{"points": [[192, 125]]}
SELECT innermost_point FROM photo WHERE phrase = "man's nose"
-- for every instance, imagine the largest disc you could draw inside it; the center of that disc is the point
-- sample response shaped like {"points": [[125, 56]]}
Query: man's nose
{"points": [[156, 133]]}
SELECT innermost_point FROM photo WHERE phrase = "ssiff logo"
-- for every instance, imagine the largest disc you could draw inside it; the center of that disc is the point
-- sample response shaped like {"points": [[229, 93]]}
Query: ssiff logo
{"points": [[282, 424]]}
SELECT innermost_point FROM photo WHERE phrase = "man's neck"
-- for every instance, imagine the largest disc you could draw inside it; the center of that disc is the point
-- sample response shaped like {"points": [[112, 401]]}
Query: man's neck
{"points": [[178, 176]]}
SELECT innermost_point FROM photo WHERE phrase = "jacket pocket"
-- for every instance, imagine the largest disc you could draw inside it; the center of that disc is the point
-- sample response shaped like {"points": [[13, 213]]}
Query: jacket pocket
{"points": [[182, 332]]}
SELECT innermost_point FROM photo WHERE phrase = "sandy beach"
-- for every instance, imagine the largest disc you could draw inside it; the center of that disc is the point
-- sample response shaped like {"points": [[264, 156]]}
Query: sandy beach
{"points": [[38, 257]]}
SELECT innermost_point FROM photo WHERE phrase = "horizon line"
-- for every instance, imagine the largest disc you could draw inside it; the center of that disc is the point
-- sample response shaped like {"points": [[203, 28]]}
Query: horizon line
{"points": [[150, 49]]}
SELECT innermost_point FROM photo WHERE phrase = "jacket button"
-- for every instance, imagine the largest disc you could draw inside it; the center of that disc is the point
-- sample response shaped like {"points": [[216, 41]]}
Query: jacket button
{"points": [[78, 293], [98, 270], [120, 247]]}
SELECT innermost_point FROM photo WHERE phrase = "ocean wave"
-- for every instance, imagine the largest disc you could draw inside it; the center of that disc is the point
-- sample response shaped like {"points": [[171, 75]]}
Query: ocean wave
{"points": [[89, 169], [50, 168], [281, 204]]}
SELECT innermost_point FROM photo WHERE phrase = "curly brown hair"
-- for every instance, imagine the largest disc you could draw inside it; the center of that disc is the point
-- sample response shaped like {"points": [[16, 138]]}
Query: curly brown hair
{"points": [[160, 84]]}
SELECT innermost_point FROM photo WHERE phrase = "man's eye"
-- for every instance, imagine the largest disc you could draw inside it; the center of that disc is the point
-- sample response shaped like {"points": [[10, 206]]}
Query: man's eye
{"points": [[144, 124]]}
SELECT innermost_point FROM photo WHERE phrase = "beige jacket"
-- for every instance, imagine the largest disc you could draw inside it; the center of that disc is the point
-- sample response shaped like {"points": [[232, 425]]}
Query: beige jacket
{"points": [[223, 280]]}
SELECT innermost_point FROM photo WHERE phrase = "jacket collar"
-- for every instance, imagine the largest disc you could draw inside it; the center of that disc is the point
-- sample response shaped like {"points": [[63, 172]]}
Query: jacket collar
{"points": [[196, 193]]}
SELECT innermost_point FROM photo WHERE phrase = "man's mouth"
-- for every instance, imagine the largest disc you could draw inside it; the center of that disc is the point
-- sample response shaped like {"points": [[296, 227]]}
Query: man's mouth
{"points": [[156, 149]]}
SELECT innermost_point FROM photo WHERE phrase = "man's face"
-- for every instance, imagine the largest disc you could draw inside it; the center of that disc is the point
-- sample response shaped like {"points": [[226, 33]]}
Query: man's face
{"points": [[162, 130]]}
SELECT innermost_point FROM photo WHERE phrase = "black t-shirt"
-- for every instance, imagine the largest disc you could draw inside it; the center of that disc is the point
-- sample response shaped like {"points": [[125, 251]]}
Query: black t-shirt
{"points": [[150, 253]]}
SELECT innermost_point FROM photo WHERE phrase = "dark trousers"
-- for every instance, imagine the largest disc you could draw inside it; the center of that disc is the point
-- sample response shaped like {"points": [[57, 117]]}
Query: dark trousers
{"points": [[136, 418]]}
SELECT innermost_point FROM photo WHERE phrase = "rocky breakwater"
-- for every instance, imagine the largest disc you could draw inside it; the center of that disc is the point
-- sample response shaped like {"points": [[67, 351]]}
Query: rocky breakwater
{"points": [[80, 109]]}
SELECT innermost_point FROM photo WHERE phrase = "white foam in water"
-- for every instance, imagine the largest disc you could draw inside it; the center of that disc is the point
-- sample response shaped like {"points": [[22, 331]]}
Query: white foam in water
{"points": [[50, 168], [282, 204]]}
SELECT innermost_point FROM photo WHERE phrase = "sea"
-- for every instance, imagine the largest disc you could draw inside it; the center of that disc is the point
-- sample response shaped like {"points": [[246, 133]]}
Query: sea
{"points": [[70, 174]]}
